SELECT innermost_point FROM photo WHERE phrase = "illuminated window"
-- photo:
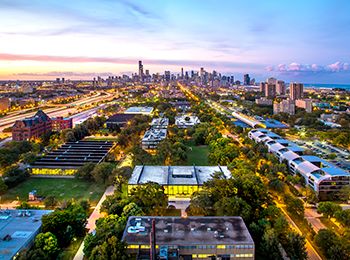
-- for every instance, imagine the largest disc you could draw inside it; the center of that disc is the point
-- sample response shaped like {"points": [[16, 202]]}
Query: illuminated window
{"points": [[221, 246]]}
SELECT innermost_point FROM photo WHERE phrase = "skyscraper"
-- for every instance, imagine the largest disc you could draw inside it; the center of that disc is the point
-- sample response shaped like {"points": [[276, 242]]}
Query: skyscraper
{"points": [[182, 73], [246, 79], [270, 90], [140, 70], [296, 91], [280, 87]]}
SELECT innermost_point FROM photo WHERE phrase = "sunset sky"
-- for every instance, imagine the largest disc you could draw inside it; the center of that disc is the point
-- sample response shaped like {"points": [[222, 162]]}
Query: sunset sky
{"points": [[301, 40]]}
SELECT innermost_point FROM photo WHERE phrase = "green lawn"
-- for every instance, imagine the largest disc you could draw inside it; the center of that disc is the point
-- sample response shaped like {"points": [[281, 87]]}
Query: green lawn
{"points": [[62, 189], [198, 155]]}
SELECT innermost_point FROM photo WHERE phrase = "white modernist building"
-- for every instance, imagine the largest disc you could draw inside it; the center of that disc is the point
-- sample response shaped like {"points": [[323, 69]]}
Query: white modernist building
{"points": [[322, 176], [160, 122], [153, 137], [186, 121]]}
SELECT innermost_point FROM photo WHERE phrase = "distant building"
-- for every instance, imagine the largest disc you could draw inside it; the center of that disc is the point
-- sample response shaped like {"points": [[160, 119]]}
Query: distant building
{"points": [[119, 120], [188, 238], [140, 70], [305, 104], [263, 101], [246, 79], [178, 181], [296, 91], [280, 87], [32, 127], [285, 106], [153, 137], [160, 123], [4, 103], [186, 121], [270, 90], [262, 87], [18, 229], [61, 123], [139, 110]]}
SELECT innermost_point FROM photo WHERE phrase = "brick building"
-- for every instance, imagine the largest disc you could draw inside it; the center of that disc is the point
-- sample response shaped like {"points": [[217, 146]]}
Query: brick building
{"points": [[36, 126]]}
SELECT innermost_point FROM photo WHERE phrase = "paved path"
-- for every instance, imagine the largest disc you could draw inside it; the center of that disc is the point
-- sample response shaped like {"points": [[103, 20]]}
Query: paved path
{"points": [[91, 223], [311, 251]]}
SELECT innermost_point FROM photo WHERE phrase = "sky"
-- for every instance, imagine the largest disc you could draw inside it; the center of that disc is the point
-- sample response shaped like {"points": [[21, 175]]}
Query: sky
{"points": [[293, 40]]}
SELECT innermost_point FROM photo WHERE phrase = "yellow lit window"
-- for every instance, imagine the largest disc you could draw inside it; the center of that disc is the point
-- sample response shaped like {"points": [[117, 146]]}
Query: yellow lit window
{"points": [[221, 246]]}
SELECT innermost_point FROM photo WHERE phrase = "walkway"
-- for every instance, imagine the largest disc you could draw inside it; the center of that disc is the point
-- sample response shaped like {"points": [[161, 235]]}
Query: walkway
{"points": [[91, 223]]}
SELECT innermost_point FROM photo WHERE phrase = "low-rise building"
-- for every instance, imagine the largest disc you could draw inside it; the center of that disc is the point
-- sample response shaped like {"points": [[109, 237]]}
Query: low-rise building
{"points": [[322, 176], [285, 106], [153, 137], [263, 101], [32, 127], [186, 121], [4, 103], [188, 238], [139, 110], [39, 124], [61, 123], [160, 122], [178, 181], [305, 104], [18, 229], [68, 158], [119, 120]]}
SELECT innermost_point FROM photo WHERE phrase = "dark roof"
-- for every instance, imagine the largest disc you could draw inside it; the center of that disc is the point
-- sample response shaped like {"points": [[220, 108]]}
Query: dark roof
{"points": [[190, 231], [73, 155], [120, 118]]}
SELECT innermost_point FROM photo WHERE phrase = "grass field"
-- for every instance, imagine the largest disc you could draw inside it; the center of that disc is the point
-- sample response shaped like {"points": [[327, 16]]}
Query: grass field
{"points": [[198, 155], [62, 189]]}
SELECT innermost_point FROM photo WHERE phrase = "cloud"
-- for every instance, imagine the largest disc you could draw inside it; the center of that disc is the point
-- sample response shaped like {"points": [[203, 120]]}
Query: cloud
{"points": [[65, 74], [82, 59], [295, 67]]}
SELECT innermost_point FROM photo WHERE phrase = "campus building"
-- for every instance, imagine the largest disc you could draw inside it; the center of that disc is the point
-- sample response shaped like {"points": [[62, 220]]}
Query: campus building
{"points": [[119, 120], [152, 138], [173, 238], [37, 125], [160, 123], [18, 229], [186, 121], [139, 110], [68, 158], [322, 176], [178, 181]]}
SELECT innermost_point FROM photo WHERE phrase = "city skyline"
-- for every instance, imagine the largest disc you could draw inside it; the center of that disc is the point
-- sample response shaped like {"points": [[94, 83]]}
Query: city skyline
{"points": [[291, 40]]}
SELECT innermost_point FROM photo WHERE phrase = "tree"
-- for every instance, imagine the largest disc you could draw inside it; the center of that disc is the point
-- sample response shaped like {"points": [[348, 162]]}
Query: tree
{"points": [[122, 175], [50, 201], [85, 171], [150, 197], [343, 216], [48, 243], [3, 187], [65, 223], [270, 247], [112, 249], [102, 172], [328, 208], [132, 210], [295, 206], [13, 175], [331, 245], [294, 246]]}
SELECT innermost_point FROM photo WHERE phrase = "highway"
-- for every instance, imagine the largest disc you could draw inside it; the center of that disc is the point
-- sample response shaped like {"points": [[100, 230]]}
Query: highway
{"points": [[64, 111]]}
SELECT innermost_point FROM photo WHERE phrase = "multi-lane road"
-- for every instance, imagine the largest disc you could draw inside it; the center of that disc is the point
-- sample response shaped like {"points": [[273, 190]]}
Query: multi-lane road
{"points": [[64, 110]]}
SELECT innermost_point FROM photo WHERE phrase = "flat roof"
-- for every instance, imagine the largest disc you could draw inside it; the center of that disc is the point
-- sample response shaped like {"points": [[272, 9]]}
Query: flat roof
{"points": [[175, 175], [139, 110], [154, 134], [20, 227], [189, 231], [73, 155]]}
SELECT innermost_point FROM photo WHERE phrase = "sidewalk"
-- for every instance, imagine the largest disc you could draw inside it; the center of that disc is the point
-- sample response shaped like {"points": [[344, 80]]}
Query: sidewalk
{"points": [[91, 223]]}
